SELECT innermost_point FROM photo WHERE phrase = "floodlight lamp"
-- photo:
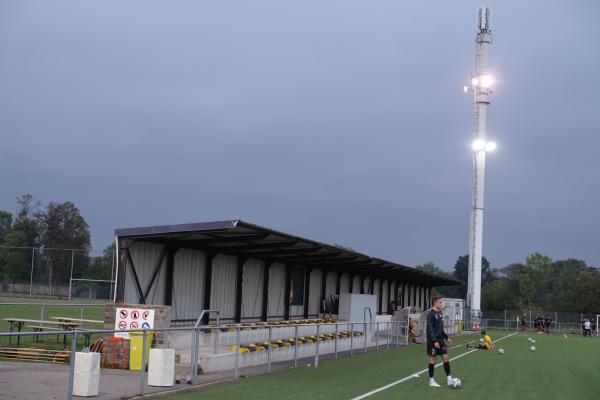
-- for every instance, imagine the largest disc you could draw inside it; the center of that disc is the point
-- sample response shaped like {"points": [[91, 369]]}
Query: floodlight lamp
{"points": [[490, 146], [478, 145], [466, 89], [486, 81], [475, 82]]}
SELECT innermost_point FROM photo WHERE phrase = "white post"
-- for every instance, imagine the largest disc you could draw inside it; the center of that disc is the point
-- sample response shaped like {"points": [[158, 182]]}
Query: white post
{"points": [[71, 278], [31, 274]]}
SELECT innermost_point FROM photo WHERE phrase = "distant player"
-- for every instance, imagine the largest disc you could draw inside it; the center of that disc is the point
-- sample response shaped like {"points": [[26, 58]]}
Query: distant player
{"points": [[436, 345], [522, 324], [547, 323], [587, 328]]}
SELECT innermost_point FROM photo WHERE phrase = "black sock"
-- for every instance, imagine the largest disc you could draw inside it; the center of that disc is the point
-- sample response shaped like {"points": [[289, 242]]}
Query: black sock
{"points": [[447, 367], [431, 366]]}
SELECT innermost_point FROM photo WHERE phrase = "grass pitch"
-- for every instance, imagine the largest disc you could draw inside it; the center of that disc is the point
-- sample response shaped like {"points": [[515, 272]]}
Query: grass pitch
{"points": [[561, 368]]}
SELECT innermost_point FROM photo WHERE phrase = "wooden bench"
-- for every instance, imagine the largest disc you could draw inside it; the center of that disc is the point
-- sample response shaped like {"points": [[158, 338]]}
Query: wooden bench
{"points": [[35, 355], [40, 328]]}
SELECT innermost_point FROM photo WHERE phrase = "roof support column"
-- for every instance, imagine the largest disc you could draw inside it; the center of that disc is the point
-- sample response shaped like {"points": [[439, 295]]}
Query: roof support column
{"points": [[207, 283], [371, 284], [307, 271], [323, 302], [351, 284], [380, 295], [389, 291], [238, 288], [414, 295], [265, 298], [287, 292], [338, 282], [362, 284], [169, 275]]}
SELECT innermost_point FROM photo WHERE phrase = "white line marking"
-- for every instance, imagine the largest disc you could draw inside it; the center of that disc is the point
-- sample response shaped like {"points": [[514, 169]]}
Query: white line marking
{"points": [[460, 345], [416, 374]]}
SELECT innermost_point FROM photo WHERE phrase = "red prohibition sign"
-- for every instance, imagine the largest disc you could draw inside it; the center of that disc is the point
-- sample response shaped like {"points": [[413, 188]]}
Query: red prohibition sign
{"points": [[133, 325], [145, 314], [135, 314], [123, 314], [122, 325]]}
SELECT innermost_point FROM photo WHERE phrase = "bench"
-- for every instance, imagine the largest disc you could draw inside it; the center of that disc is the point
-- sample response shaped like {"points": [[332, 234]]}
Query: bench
{"points": [[40, 328]]}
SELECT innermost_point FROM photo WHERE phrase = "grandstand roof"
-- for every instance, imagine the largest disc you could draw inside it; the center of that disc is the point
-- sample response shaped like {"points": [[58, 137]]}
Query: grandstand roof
{"points": [[241, 238]]}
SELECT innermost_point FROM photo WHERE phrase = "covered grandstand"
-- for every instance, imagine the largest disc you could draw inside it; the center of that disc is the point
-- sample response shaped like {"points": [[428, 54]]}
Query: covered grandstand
{"points": [[253, 273]]}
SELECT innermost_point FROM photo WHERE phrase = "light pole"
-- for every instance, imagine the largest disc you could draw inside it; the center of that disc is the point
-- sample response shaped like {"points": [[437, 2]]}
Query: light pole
{"points": [[481, 86]]}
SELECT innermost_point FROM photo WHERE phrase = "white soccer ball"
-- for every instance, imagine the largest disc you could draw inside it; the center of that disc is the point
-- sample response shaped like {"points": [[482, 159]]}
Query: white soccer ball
{"points": [[532, 341], [500, 351], [533, 348], [456, 383]]}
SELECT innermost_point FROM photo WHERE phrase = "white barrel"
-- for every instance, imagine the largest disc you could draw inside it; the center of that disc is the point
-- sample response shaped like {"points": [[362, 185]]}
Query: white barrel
{"points": [[161, 368], [87, 374]]}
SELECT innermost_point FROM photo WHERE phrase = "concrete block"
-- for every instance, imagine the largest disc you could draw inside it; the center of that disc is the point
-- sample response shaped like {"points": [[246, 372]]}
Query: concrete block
{"points": [[87, 374]]}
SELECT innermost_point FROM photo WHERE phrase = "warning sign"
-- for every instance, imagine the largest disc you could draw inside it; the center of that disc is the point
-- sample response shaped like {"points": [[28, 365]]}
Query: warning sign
{"points": [[132, 318]]}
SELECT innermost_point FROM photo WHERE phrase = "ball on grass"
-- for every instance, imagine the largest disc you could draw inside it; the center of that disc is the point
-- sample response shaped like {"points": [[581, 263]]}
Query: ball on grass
{"points": [[533, 348], [500, 351], [456, 383]]}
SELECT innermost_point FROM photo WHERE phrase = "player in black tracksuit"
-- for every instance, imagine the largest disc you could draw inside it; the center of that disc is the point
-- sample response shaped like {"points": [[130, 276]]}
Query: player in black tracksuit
{"points": [[436, 345]]}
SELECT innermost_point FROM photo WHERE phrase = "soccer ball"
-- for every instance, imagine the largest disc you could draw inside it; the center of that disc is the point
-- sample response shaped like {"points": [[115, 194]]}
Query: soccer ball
{"points": [[500, 351], [532, 348], [456, 383], [532, 341]]}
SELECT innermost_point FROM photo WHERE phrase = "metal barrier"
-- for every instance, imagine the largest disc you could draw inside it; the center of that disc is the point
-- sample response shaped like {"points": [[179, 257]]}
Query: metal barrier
{"points": [[374, 334]]}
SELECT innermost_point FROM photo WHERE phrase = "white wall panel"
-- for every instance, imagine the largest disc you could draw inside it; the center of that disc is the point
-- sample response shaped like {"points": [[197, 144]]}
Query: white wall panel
{"points": [[252, 284], [356, 284], [276, 290], [188, 284], [345, 283], [222, 295], [145, 256]]}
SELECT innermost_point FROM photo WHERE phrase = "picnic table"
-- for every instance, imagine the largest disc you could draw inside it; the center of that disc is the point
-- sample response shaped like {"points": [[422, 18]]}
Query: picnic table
{"points": [[19, 322], [87, 333], [79, 321]]}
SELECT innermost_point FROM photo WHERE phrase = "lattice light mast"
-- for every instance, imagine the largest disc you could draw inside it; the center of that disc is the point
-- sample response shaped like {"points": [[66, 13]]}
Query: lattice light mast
{"points": [[481, 86]]}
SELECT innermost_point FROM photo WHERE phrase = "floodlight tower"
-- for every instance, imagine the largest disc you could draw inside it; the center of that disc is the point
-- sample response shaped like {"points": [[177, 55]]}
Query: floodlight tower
{"points": [[481, 86]]}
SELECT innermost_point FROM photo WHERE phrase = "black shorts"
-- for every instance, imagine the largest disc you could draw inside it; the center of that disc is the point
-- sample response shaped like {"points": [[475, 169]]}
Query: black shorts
{"points": [[432, 351]]}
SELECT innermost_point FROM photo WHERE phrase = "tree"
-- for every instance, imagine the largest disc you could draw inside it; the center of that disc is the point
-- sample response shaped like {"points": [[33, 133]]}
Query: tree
{"points": [[498, 295], [63, 227], [6, 221], [24, 233], [461, 272], [443, 291]]}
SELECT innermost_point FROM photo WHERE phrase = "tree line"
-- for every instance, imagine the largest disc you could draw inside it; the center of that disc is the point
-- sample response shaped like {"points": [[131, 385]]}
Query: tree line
{"points": [[48, 228], [537, 284]]}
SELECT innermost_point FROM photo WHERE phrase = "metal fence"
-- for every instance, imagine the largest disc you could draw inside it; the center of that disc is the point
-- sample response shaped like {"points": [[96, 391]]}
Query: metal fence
{"points": [[212, 354], [560, 322], [56, 273]]}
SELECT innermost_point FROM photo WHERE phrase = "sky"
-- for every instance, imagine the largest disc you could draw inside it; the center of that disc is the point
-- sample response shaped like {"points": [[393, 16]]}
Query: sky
{"points": [[341, 121]]}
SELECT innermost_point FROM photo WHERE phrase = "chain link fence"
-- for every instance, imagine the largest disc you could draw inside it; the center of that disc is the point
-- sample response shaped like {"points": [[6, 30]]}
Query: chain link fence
{"points": [[560, 322], [56, 273]]}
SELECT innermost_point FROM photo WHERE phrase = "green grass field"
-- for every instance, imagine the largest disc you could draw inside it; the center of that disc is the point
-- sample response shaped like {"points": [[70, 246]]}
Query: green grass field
{"points": [[561, 368], [33, 311]]}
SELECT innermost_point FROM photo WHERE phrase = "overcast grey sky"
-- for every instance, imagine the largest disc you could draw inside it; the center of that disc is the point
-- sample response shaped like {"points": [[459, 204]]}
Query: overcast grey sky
{"points": [[341, 121]]}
